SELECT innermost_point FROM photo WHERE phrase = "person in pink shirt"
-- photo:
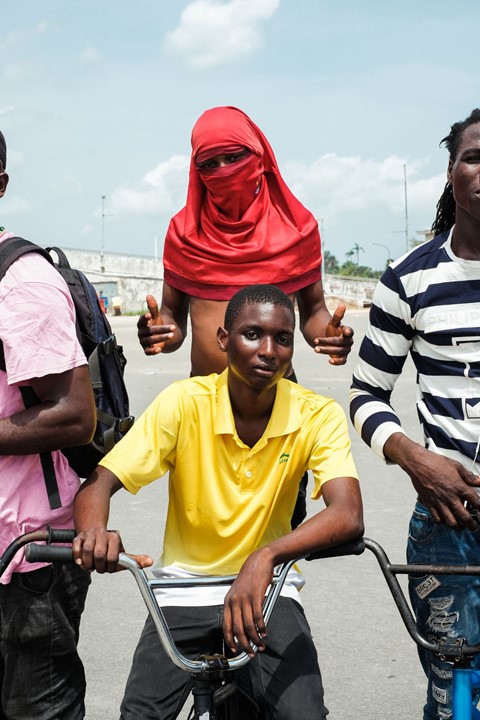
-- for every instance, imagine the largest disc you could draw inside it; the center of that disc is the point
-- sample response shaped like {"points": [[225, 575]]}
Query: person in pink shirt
{"points": [[41, 674]]}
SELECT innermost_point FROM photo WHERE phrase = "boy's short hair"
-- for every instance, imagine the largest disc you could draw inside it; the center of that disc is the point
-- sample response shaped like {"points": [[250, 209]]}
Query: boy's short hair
{"points": [[3, 150], [253, 295]]}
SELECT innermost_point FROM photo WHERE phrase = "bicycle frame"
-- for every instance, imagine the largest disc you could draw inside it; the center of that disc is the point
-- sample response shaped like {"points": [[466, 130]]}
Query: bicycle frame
{"points": [[209, 671], [147, 586], [465, 679]]}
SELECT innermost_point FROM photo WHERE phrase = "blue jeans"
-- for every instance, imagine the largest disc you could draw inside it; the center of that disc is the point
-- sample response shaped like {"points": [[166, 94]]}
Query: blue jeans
{"points": [[41, 674], [444, 605], [285, 678]]}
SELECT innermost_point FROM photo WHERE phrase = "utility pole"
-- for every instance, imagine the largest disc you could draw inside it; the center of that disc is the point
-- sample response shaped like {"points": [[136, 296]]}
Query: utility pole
{"points": [[406, 207], [102, 246], [407, 248]]}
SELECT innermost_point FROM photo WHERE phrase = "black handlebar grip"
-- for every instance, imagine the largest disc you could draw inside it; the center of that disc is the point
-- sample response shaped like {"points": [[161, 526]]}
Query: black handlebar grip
{"points": [[59, 535], [354, 547], [48, 553]]}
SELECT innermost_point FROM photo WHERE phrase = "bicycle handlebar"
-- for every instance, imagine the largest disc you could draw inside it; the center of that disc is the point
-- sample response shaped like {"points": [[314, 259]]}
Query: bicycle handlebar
{"points": [[446, 647], [449, 648], [49, 535], [354, 547], [48, 553], [147, 586]]}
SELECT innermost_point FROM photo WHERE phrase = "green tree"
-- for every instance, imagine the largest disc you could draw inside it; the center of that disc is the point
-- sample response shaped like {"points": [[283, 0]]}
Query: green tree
{"points": [[330, 263], [355, 252]]}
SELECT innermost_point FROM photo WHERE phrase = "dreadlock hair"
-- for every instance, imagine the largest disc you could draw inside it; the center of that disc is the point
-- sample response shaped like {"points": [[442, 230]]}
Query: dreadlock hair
{"points": [[446, 206], [253, 295]]}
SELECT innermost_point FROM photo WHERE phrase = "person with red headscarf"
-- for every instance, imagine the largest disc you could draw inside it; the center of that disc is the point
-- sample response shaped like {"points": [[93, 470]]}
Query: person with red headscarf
{"points": [[241, 225]]}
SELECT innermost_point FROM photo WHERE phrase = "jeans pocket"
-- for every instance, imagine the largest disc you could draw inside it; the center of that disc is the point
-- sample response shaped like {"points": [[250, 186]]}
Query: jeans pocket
{"points": [[422, 526], [38, 581]]}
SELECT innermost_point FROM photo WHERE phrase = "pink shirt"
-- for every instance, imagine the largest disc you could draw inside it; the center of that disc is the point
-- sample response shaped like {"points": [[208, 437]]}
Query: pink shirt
{"points": [[37, 327]]}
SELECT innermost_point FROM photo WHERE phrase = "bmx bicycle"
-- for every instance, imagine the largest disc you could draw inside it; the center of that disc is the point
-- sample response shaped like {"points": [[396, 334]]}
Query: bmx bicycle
{"points": [[217, 683], [214, 678]]}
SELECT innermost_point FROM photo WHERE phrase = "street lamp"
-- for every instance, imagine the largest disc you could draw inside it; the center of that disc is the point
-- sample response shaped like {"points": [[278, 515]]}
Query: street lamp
{"points": [[387, 249]]}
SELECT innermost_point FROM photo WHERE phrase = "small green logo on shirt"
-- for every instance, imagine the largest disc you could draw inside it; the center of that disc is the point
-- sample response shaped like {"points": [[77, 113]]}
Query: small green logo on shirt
{"points": [[283, 458]]}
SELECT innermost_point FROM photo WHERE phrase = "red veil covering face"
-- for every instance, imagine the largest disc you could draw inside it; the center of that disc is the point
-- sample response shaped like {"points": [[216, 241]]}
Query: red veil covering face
{"points": [[241, 224]]}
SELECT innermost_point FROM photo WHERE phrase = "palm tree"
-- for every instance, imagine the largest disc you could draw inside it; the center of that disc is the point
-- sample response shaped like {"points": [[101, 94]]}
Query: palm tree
{"points": [[355, 252]]}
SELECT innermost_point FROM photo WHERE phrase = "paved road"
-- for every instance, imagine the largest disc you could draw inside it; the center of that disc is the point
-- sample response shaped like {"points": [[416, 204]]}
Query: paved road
{"points": [[368, 661]]}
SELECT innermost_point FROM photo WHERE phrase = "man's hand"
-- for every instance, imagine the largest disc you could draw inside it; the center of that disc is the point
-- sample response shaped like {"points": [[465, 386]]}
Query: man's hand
{"points": [[152, 333], [243, 620], [338, 340], [98, 549], [444, 485]]}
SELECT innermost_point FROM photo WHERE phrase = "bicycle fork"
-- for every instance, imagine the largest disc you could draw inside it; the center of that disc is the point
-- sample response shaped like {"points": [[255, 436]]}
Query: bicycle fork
{"points": [[203, 702], [205, 684]]}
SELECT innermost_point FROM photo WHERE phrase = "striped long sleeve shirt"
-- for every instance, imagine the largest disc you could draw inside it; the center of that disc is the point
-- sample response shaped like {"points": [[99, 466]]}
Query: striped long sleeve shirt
{"points": [[427, 304]]}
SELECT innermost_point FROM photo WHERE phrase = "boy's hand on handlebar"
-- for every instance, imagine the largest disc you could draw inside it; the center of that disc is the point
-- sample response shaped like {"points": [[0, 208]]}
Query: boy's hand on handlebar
{"points": [[243, 621], [98, 549], [151, 331]]}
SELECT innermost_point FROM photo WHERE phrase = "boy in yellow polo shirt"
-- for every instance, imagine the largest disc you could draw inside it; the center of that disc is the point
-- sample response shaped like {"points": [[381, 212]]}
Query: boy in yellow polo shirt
{"points": [[236, 446]]}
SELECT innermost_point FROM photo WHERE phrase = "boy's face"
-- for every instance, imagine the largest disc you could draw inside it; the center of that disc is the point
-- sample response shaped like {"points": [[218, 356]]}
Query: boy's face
{"points": [[259, 345]]}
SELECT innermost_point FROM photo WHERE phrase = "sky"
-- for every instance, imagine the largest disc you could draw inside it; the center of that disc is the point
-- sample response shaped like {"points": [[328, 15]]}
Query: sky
{"points": [[98, 99]]}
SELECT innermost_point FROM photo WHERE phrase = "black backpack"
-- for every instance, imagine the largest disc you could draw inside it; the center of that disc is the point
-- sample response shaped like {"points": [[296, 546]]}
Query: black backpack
{"points": [[106, 364]]}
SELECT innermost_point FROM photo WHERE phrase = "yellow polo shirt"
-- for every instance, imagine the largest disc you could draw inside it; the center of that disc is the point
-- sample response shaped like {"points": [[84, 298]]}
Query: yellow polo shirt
{"points": [[225, 498]]}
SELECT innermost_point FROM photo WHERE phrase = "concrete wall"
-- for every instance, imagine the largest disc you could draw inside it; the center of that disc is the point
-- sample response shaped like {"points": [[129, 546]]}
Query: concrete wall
{"points": [[132, 277], [352, 290]]}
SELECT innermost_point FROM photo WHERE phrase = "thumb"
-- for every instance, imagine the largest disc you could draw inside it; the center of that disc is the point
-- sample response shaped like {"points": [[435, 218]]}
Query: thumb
{"points": [[474, 480], [152, 306], [143, 560], [336, 322]]}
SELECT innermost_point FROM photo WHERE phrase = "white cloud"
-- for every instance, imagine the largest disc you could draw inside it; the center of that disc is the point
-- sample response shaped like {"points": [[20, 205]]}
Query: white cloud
{"points": [[162, 190], [18, 43], [332, 185], [213, 33], [90, 56], [21, 36], [14, 205]]}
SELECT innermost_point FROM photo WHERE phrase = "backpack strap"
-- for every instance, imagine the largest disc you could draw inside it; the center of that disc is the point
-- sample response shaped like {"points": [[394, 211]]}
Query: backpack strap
{"points": [[29, 400], [10, 250], [112, 424]]}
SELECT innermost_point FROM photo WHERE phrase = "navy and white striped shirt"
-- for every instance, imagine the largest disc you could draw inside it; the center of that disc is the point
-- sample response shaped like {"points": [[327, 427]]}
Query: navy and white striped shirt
{"points": [[427, 304]]}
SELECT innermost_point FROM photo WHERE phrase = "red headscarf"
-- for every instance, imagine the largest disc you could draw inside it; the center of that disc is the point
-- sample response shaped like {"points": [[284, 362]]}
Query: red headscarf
{"points": [[241, 224]]}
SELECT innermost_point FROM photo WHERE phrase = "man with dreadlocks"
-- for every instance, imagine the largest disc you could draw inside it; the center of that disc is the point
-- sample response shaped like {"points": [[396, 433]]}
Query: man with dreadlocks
{"points": [[427, 304]]}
